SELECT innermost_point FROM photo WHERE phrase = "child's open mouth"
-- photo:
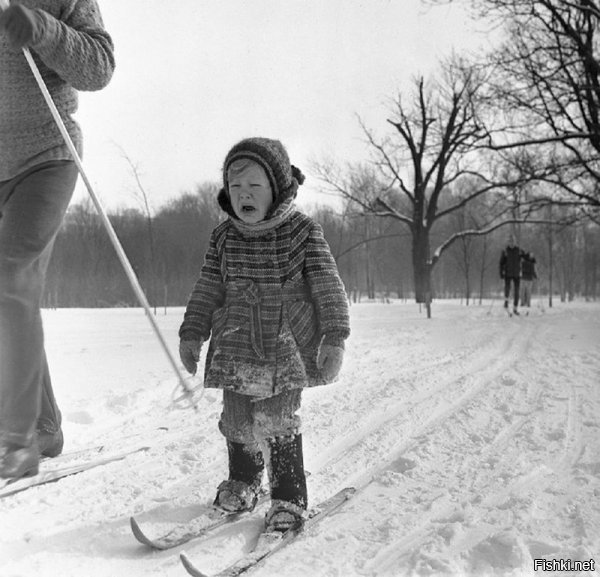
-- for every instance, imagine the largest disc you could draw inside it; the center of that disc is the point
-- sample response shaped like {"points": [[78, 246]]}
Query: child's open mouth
{"points": [[248, 209]]}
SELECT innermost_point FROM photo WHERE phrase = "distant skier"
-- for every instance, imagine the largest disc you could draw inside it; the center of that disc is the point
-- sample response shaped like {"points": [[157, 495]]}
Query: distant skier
{"points": [[37, 178], [510, 271], [271, 300], [528, 275]]}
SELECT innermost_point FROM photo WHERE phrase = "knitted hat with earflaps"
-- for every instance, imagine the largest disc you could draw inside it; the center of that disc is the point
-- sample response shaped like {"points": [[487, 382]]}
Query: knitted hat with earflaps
{"points": [[272, 156]]}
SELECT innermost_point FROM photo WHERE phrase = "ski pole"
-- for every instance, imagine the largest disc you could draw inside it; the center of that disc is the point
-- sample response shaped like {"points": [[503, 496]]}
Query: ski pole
{"points": [[493, 299], [137, 289]]}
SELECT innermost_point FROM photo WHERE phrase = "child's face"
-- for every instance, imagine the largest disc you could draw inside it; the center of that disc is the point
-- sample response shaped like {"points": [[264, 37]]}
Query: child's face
{"points": [[250, 193]]}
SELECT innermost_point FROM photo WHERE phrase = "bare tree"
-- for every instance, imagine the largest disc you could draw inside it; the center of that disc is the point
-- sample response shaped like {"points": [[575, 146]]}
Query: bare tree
{"points": [[464, 256], [142, 197], [545, 85], [440, 142]]}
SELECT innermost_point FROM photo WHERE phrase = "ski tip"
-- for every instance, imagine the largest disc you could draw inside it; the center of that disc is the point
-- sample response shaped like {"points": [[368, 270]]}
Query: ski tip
{"points": [[136, 530], [138, 533], [189, 566]]}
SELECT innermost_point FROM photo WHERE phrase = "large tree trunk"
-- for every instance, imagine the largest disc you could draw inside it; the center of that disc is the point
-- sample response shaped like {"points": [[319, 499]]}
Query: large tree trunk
{"points": [[550, 267], [422, 269], [482, 271]]}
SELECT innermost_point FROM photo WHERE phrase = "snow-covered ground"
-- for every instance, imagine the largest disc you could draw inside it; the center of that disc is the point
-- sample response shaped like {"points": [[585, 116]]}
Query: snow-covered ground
{"points": [[475, 438]]}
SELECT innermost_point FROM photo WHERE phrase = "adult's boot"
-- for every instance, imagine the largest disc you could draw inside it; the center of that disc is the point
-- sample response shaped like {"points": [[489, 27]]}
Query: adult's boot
{"points": [[17, 461]]}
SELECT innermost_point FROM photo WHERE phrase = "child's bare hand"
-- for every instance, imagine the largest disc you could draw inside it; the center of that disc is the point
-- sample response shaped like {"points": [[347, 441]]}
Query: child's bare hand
{"points": [[189, 353], [329, 361], [22, 25]]}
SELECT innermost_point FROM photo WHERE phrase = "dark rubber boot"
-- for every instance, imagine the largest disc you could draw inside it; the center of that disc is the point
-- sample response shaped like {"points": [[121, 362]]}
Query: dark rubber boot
{"points": [[288, 481], [246, 463], [240, 492]]}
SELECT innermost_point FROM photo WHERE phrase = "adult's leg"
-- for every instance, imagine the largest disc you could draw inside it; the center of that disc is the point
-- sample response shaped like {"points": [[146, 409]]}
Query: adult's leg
{"points": [[50, 418], [516, 285], [529, 291], [32, 207]]}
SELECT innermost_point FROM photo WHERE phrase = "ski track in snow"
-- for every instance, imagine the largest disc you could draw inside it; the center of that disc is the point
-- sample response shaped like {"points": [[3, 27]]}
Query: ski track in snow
{"points": [[474, 440]]}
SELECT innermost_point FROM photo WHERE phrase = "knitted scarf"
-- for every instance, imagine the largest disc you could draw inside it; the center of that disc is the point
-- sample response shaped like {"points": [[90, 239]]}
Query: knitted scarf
{"points": [[280, 215]]}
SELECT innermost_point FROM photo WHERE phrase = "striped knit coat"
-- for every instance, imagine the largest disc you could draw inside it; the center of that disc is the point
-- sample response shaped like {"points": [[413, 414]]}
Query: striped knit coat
{"points": [[267, 301]]}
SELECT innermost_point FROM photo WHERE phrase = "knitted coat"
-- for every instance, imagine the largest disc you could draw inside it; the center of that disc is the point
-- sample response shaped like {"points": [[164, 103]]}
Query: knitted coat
{"points": [[74, 53], [267, 301]]}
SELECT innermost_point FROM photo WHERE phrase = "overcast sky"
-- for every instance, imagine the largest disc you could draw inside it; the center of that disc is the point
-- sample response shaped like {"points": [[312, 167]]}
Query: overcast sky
{"points": [[195, 76]]}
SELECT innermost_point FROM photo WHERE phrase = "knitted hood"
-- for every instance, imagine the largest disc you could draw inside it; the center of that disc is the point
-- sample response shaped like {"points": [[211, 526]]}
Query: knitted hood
{"points": [[271, 155]]}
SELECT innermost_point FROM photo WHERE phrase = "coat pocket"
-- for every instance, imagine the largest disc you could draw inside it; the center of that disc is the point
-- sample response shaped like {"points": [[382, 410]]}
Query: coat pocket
{"points": [[303, 322]]}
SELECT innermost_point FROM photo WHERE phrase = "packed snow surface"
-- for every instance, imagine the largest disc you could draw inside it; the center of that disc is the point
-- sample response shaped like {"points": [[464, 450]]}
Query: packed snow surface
{"points": [[473, 438]]}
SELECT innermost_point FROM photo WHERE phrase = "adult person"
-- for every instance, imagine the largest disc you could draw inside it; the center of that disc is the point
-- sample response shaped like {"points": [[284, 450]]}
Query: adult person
{"points": [[528, 275], [510, 272], [73, 52]]}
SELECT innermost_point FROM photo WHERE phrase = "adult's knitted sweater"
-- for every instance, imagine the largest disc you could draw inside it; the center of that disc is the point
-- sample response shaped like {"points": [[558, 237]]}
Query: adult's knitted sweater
{"points": [[74, 52]]}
